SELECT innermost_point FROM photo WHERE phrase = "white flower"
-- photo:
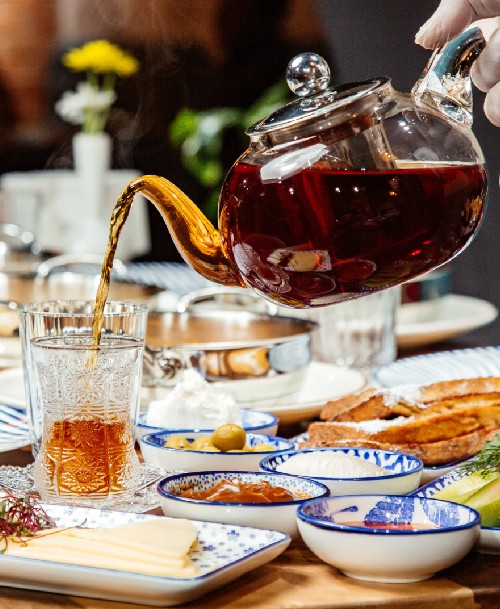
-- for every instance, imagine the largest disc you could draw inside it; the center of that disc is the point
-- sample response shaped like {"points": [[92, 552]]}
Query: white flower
{"points": [[73, 105]]}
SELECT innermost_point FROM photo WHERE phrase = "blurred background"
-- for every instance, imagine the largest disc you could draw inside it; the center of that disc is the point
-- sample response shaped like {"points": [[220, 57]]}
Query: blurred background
{"points": [[218, 59]]}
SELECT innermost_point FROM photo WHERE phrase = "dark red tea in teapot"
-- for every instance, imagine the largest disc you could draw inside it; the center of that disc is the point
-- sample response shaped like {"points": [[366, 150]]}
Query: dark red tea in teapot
{"points": [[344, 191], [321, 233]]}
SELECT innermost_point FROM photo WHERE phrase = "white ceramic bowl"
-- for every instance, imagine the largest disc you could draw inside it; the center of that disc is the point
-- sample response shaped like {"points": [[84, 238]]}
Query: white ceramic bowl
{"points": [[253, 421], [404, 477], [376, 552], [178, 459], [273, 516]]}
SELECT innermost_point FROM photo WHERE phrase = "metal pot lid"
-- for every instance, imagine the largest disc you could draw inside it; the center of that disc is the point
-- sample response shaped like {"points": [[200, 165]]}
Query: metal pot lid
{"points": [[308, 76]]}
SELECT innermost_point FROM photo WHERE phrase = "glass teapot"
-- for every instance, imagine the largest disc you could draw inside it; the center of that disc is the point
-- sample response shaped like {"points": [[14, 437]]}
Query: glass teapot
{"points": [[344, 191]]}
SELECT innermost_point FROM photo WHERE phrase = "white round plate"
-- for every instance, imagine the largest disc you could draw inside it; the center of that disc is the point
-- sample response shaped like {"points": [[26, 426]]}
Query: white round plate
{"points": [[450, 316], [322, 382], [440, 366]]}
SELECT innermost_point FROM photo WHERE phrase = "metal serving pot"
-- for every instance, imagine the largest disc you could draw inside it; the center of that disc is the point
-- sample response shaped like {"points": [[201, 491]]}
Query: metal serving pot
{"points": [[62, 278], [234, 347]]}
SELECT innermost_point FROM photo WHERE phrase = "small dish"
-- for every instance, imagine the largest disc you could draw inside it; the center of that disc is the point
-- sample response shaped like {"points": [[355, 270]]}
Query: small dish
{"points": [[253, 421], [376, 537], [275, 516], [489, 537], [432, 472], [154, 451], [429, 472], [404, 471]]}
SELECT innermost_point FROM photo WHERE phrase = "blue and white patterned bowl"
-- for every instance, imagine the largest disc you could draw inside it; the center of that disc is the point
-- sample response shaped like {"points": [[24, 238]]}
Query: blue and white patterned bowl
{"points": [[405, 471], [362, 536], [273, 516], [154, 451], [254, 421]]}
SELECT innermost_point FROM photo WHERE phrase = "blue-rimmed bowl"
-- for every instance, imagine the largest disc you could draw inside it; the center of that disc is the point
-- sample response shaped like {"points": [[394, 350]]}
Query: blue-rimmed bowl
{"points": [[405, 471], [275, 516], [372, 537], [253, 421], [154, 451]]}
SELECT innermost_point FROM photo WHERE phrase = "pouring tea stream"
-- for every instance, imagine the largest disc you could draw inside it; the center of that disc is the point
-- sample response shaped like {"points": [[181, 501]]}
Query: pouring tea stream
{"points": [[345, 191]]}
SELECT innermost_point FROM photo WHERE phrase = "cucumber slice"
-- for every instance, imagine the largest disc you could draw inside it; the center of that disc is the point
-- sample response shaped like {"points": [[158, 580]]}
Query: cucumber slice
{"points": [[460, 490], [487, 502]]}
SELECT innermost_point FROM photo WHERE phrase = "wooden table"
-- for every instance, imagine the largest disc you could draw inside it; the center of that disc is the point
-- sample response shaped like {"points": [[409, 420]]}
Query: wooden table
{"points": [[298, 580]]}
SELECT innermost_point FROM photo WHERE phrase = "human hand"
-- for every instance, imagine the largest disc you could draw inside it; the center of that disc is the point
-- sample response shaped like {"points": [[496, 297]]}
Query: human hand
{"points": [[453, 16]]}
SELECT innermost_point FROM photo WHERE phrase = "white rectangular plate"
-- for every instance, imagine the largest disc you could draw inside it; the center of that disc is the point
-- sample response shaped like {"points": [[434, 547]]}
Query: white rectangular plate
{"points": [[223, 553], [489, 537]]}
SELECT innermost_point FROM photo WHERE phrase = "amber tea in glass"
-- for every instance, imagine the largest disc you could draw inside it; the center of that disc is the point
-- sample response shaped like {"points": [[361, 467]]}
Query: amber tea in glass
{"points": [[88, 397]]}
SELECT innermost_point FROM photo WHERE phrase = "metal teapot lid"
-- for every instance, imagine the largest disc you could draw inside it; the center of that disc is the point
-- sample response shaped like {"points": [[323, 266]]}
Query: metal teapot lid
{"points": [[308, 76]]}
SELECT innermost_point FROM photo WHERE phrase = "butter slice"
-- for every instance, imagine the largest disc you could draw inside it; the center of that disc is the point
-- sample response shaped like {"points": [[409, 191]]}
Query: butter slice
{"points": [[152, 547]]}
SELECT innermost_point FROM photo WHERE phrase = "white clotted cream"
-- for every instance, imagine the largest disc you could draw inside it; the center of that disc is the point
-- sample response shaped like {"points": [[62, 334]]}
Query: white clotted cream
{"points": [[193, 404], [330, 465]]}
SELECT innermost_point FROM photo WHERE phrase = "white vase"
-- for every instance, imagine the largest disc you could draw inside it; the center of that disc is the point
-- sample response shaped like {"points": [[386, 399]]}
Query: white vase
{"points": [[92, 161], [92, 153]]}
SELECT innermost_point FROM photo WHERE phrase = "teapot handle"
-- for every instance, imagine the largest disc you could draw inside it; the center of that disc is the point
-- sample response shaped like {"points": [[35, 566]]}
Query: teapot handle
{"points": [[445, 83], [227, 297]]}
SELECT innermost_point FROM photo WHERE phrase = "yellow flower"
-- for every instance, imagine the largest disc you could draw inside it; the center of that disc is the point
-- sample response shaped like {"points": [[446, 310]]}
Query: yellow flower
{"points": [[101, 57], [103, 62]]}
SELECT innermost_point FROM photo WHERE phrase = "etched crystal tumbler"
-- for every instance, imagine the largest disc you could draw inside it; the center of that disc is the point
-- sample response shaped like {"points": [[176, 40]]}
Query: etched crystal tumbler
{"points": [[83, 398], [360, 333]]}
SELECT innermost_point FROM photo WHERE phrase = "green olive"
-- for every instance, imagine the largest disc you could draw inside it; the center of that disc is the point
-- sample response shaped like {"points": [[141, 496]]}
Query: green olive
{"points": [[177, 442], [229, 437]]}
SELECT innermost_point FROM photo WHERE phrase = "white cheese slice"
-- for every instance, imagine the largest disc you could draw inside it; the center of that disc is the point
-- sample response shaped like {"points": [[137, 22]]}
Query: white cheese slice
{"points": [[153, 547]]}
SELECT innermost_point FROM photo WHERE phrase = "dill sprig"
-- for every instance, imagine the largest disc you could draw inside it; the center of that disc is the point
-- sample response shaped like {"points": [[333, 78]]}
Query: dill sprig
{"points": [[487, 460], [20, 518]]}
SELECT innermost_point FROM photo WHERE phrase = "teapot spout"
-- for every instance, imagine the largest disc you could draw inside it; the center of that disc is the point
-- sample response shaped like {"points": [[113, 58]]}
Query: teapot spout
{"points": [[197, 240], [445, 83]]}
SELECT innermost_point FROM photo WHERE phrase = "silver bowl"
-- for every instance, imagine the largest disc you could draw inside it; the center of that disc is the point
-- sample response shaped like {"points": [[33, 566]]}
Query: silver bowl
{"points": [[231, 347]]}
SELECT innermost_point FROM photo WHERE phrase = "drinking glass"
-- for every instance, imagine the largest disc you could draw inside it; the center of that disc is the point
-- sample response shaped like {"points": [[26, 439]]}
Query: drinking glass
{"points": [[82, 398], [359, 333]]}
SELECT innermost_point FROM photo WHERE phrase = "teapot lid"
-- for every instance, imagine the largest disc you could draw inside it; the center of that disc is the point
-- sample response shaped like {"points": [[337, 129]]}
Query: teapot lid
{"points": [[308, 76]]}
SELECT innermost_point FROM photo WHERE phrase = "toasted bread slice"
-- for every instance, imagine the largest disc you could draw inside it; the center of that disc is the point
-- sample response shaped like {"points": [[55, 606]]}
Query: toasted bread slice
{"points": [[408, 400], [460, 403], [431, 453], [456, 388], [404, 430], [334, 409], [380, 405]]}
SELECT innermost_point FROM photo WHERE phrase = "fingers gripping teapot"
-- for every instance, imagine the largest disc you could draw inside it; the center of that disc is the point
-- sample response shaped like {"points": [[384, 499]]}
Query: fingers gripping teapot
{"points": [[342, 192]]}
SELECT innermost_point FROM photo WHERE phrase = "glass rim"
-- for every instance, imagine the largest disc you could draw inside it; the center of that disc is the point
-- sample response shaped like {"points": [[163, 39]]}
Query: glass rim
{"points": [[42, 308], [107, 343]]}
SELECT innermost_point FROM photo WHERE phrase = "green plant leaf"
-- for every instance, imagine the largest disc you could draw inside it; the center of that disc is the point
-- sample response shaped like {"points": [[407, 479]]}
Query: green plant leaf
{"points": [[199, 136], [183, 126]]}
